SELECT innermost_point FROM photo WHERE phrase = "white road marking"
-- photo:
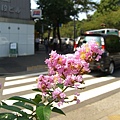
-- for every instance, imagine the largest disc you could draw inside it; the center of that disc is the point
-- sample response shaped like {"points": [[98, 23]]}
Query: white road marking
{"points": [[19, 89], [93, 81], [24, 76], [16, 80], [36, 74], [94, 93]]}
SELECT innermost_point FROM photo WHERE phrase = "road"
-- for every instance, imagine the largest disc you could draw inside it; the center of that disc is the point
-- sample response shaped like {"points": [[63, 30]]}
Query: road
{"points": [[99, 87]]}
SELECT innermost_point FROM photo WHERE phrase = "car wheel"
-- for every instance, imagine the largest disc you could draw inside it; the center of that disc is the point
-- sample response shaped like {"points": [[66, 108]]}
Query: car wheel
{"points": [[111, 68]]}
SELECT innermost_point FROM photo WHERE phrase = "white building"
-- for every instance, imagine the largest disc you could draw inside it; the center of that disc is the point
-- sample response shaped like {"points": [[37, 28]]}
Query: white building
{"points": [[16, 27]]}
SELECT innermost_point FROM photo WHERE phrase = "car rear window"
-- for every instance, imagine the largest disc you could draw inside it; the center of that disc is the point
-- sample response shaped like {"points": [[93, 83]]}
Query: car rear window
{"points": [[112, 43], [97, 39]]}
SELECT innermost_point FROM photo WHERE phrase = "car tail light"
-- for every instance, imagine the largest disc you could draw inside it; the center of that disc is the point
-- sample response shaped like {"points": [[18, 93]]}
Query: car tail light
{"points": [[88, 32], [75, 46], [98, 67], [103, 47], [102, 44]]}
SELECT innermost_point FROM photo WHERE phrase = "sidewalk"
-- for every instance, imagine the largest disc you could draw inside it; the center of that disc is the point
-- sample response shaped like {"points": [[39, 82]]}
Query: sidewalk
{"points": [[29, 63], [10, 65], [104, 109]]}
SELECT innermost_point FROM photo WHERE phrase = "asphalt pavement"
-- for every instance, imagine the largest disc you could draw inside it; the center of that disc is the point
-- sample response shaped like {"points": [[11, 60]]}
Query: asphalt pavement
{"points": [[33, 63], [26, 63]]}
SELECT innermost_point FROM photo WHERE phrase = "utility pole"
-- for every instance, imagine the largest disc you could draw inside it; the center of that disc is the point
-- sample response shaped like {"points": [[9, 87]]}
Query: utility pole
{"points": [[74, 28]]}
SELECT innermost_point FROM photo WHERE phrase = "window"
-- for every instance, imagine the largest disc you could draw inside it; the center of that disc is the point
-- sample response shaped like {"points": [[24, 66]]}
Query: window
{"points": [[112, 43], [104, 31]]}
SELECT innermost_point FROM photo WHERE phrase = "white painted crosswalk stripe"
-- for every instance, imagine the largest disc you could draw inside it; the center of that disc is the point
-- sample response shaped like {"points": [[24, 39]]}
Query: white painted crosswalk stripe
{"points": [[97, 80], [94, 93], [93, 81], [17, 84], [24, 76], [19, 89]]}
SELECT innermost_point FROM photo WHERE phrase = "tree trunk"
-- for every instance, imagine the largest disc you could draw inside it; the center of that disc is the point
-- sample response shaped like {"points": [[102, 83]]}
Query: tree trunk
{"points": [[49, 32], [58, 34], [54, 32]]}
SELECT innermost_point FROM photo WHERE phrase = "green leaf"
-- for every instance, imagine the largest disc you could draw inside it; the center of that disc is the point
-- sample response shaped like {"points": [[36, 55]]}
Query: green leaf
{"points": [[7, 116], [22, 104], [57, 110], [43, 112], [3, 103], [13, 108], [22, 99], [11, 116], [23, 118], [38, 98], [50, 99], [37, 90], [60, 86], [19, 103]]}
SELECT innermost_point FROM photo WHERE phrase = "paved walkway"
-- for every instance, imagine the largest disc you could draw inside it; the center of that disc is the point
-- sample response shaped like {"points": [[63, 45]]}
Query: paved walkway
{"points": [[10, 65], [101, 110]]}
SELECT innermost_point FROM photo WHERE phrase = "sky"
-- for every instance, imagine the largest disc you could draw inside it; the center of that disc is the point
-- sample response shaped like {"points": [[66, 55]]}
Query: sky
{"points": [[33, 4], [81, 15]]}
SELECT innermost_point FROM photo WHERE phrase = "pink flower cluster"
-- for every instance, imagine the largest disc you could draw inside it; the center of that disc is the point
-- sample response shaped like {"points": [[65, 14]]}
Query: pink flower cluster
{"points": [[66, 71]]}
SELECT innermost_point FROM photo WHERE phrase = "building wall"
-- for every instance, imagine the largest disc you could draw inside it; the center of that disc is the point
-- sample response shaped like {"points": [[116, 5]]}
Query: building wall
{"points": [[19, 32], [17, 9], [16, 27]]}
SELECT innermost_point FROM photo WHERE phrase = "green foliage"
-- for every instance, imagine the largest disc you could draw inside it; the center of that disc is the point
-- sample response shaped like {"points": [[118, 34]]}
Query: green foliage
{"points": [[37, 109], [106, 6], [110, 18], [87, 5], [18, 112], [37, 99], [56, 12], [107, 12], [7, 116], [43, 112], [22, 99], [55, 109]]}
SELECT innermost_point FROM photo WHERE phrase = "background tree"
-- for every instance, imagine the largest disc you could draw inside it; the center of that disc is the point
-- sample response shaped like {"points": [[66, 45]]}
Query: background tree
{"points": [[86, 6], [108, 12], [106, 6], [57, 12]]}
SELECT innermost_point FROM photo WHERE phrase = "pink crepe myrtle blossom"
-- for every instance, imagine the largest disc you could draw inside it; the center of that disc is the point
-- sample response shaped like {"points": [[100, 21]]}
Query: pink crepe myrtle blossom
{"points": [[66, 71], [58, 96], [76, 99], [89, 51], [45, 83], [56, 62], [71, 80]]}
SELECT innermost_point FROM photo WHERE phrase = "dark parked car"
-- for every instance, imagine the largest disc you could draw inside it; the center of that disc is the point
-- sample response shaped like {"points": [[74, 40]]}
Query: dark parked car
{"points": [[111, 47]]}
